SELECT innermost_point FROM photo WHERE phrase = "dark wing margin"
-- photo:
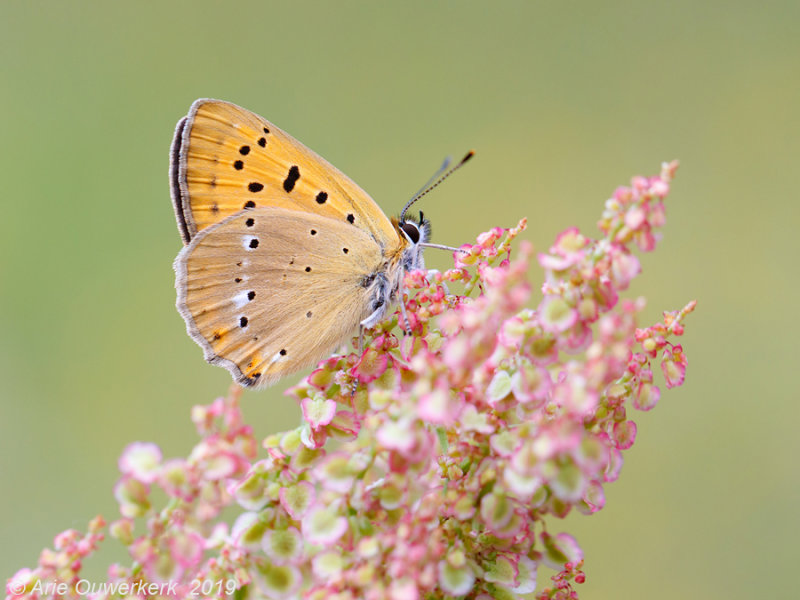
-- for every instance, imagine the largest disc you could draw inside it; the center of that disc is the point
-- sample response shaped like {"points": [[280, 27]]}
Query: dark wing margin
{"points": [[176, 185]]}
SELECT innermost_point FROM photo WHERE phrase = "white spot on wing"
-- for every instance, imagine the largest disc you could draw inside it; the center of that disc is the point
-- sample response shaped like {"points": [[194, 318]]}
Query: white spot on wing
{"points": [[277, 358], [240, 299]]}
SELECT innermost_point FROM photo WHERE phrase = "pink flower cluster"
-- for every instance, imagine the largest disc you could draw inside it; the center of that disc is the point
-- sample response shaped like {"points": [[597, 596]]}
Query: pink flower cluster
{"points": [[426, 465]]}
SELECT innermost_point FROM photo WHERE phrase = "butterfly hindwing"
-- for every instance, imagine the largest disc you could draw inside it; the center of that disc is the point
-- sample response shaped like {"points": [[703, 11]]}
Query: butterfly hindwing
{"points": [[226, 158], [268, 291]]}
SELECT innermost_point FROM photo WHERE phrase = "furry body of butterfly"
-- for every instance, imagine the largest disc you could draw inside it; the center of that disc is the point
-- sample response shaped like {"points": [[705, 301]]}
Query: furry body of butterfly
{"points": [[285, 257]]}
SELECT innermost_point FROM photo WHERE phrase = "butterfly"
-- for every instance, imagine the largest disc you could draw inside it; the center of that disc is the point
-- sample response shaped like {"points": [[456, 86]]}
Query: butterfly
{"points": [[285, 257]]}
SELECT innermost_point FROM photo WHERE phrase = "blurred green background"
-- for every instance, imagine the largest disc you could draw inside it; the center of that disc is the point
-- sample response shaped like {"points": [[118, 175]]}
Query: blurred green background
{"points": [[562, 101]]}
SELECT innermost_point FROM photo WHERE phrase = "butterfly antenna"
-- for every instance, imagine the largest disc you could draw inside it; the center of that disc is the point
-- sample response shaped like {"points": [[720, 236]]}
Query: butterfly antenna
{"points": [[437, 178]]}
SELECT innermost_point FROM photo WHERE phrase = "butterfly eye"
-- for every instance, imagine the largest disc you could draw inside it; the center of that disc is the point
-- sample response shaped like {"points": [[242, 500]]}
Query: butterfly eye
{"points": [[411, 230]]}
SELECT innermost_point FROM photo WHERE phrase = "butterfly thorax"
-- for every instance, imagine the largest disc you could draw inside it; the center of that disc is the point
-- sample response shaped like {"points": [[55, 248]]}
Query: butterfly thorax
{"points": [[385, 284]]}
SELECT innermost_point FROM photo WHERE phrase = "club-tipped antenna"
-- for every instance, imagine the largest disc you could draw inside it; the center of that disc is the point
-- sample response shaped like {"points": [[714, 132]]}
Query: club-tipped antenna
{"points": [[437, 178]]}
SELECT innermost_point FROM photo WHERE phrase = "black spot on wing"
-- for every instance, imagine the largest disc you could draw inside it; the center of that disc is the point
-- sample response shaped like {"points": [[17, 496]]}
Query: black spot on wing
{"points": [[283, 352], [262, 142], [238, 165], [254, 243], [308, 269], [351, 218], [243, 322], [249, 204], [244, 150], [250, 222], [255, 187], [291, 178], [251, 294], [322, 197]]}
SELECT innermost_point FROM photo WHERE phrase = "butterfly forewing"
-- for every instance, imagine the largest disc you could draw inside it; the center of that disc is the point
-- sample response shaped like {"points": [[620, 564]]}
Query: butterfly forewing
{"points": [[269, 291], [226, 158]]}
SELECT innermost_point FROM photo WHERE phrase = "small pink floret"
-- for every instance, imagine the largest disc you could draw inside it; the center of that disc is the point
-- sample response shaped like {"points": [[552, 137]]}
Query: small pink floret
{"points": [[659, 188], [297, 499], [318, 412], [323, 526], [140, 460], [372, 365], [438, 407], [556, 315], [674, 366], [186, 548], [221, 465], [635, 217], [397, 435], [625, 434], [403, 590]]}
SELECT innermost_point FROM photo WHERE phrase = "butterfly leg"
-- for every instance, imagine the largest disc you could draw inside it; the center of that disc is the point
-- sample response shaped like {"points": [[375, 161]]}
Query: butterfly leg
{"points": [[356, 415], [360, 354], [406, 322]]}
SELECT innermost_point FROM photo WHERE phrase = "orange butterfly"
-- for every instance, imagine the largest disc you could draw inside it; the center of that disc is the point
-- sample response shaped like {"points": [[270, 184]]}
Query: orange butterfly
{"points": [[285, 256]]}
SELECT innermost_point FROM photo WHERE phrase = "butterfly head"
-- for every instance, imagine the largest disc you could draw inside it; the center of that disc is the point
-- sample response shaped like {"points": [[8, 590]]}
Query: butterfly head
{"points": [[415, 233]]}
